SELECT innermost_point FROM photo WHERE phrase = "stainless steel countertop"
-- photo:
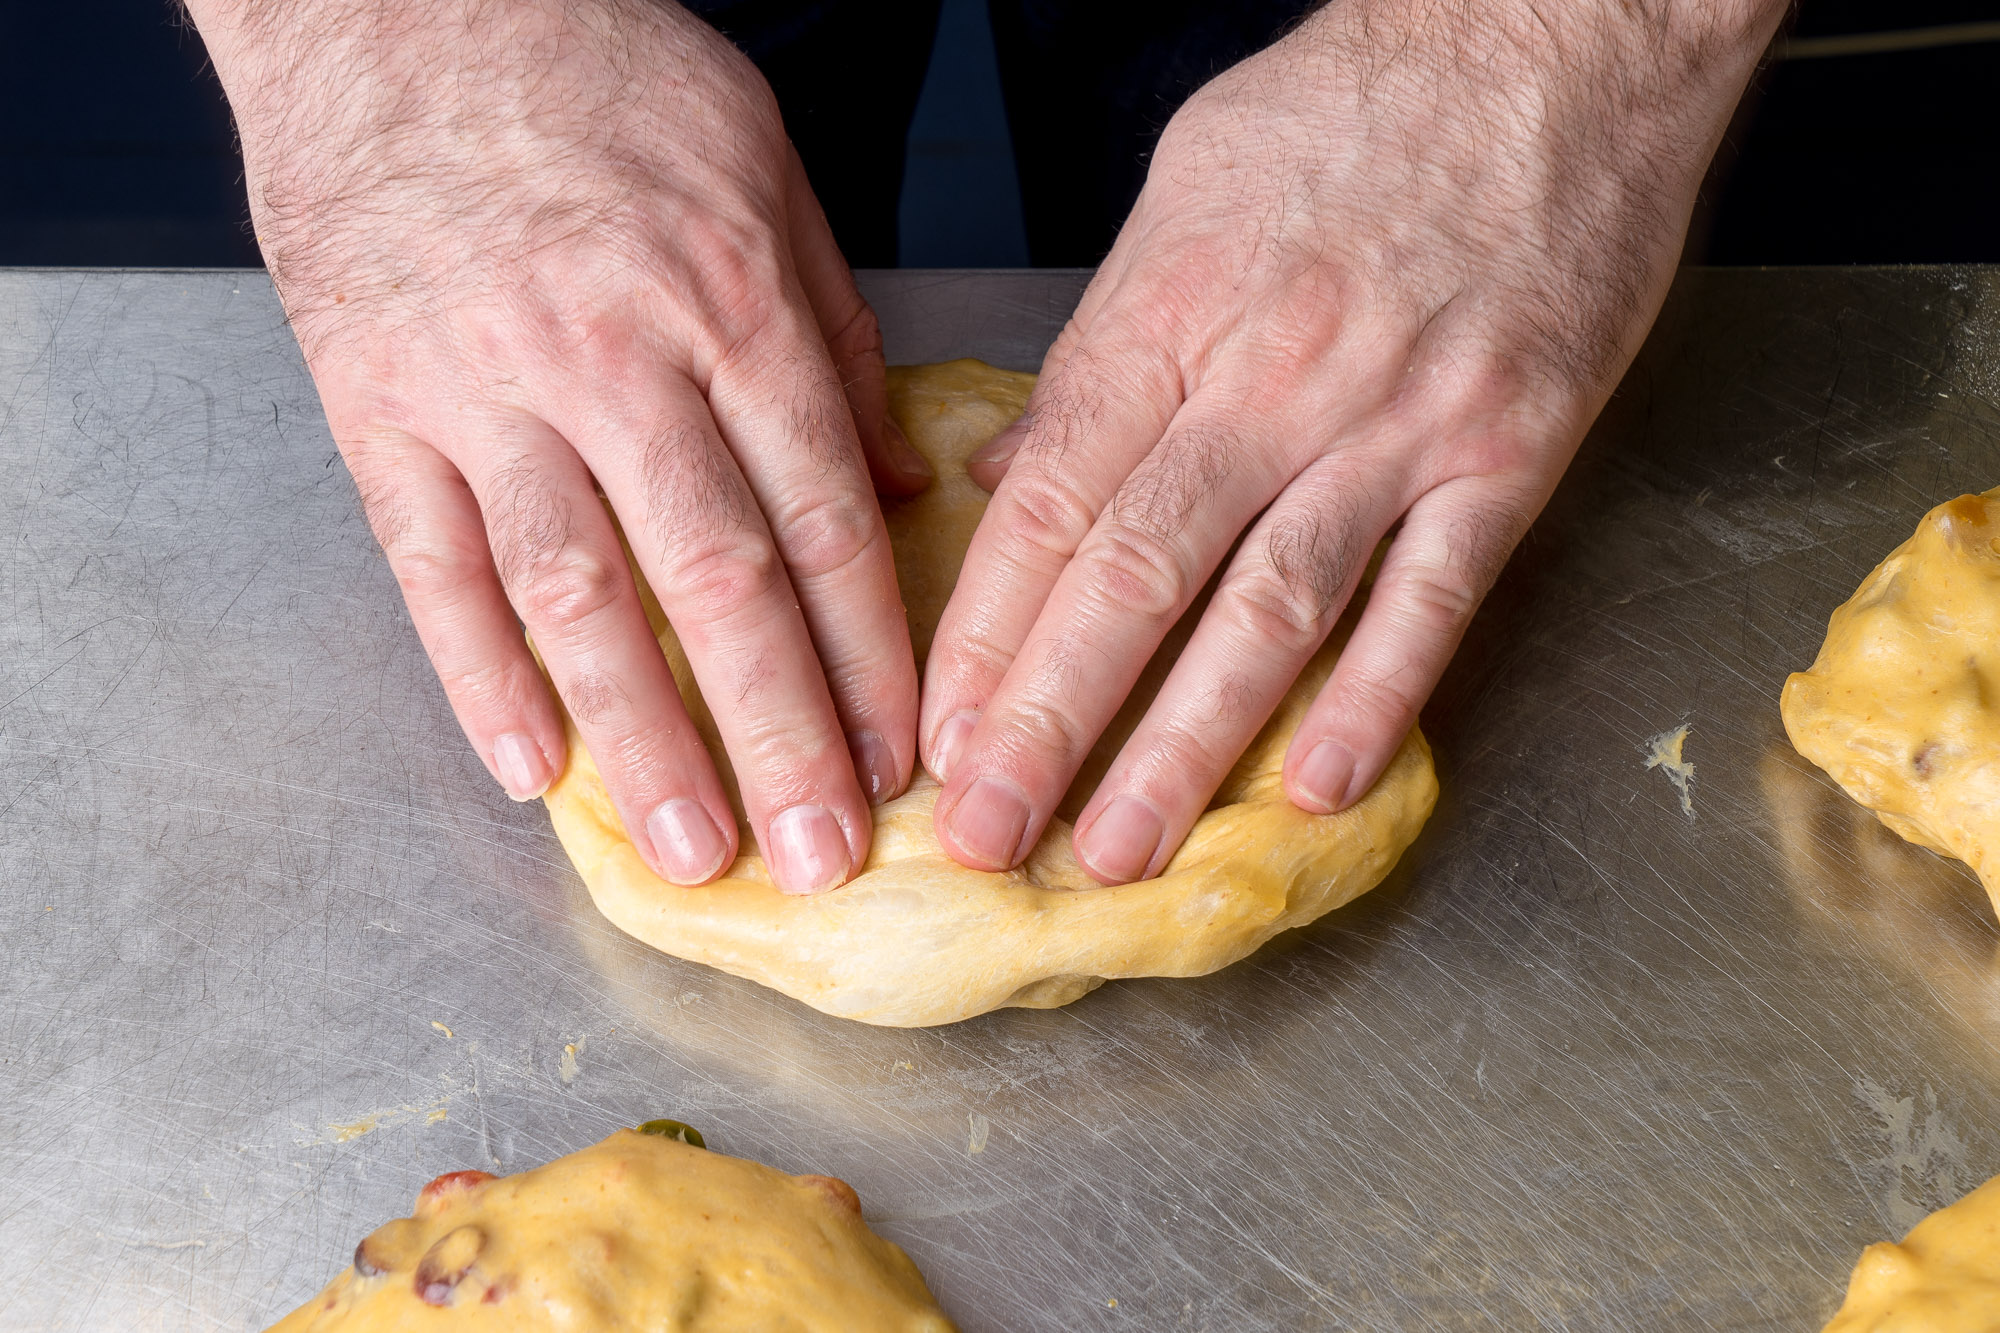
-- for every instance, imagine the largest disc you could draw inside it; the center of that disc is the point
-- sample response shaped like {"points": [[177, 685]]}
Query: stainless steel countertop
{"points": [[1584, 1062]]}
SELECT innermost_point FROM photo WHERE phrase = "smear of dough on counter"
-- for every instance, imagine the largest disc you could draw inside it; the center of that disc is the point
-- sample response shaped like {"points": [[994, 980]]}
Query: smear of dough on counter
{"points": [[1944, 1277], [354, 1129], [916, 939], [640, 1231], [1664, 753], [1902, 706], [350, 1130]]}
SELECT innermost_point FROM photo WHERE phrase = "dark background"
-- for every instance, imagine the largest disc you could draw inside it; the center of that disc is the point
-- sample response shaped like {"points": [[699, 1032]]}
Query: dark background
{"points": [[116, 148]]}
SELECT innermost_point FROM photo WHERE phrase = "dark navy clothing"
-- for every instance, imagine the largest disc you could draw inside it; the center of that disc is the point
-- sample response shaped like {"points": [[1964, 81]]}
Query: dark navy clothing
{"points": [[1088, 87]]}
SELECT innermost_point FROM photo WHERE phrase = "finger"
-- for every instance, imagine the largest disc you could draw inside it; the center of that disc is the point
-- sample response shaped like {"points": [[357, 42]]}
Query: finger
{"points": [[1134, 574], [698, 535], [783, 419], [854, 341], [430, 528], [1090, 422], [1271, 611], [558, 557], [1452, 546]]}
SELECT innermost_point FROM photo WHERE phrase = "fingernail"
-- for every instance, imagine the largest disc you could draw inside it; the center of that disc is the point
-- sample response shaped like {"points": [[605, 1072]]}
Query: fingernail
{"points": [[988, 821], [903, 456], [1120, 844], [689, 846], [874, 764], [951, 739], [1324, 774], [1004, 445], [808, 850], [524, 769]]}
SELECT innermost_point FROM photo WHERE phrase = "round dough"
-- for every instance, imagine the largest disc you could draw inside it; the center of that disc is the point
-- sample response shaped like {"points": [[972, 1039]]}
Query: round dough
{"points": [[1902, 706], [638, 1232], [917, 939]]}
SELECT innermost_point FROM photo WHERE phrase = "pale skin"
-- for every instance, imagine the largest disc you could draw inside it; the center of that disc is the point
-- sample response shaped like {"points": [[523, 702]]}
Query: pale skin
{"points": [[1381, 276]]}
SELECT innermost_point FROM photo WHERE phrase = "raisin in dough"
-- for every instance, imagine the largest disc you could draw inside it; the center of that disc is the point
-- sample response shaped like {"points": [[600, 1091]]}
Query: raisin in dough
{"points": [[1902, 706], [637, 1232], [916, 939], [1944, 1277]]}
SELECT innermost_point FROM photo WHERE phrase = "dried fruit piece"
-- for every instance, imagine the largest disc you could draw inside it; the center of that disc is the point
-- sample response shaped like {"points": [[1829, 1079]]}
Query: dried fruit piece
{"points": [[446, 1263], [674, 1129], [439, 1192], [838, 1191]]}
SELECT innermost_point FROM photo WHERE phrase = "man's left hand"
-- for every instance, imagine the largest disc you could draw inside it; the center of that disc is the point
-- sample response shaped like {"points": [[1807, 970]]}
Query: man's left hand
{"points": [[1387, 270]]}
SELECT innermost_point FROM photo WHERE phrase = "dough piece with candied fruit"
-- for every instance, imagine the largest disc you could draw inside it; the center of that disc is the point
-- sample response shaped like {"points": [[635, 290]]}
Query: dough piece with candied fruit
{"points": [[1944, 1277], [1902, 707], [915, 939], [646, 1230]]}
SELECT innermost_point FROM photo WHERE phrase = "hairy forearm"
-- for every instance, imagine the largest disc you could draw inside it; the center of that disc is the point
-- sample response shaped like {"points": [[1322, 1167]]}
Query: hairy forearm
{"points": [[1676, 57]]}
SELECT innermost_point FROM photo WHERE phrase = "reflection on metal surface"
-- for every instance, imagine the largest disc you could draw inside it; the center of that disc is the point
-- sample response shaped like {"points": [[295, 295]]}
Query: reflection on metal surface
{"points": [[1582, 1063], [1922, 915]]}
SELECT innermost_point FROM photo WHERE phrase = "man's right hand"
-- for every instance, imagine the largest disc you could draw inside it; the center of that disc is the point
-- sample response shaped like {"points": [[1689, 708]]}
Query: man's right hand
{"points": [[535, 248]]}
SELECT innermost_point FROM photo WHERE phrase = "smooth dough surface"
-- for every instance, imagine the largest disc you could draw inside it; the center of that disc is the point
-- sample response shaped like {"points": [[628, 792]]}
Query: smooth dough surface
{"points": [[1943, 1278], [916, 939], [636, 1232], [1902, 707]]}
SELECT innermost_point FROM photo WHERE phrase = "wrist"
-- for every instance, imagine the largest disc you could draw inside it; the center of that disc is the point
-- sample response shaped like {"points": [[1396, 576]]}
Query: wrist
{"points": [[265, 53]]}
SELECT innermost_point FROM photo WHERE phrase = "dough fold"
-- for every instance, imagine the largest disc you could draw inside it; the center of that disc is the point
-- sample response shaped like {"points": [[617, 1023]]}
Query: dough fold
{"points": [[916, 939]]}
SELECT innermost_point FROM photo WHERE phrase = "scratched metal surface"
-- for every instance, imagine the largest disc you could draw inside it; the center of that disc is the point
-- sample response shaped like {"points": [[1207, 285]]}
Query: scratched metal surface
{"points": [[1585, 1062]]}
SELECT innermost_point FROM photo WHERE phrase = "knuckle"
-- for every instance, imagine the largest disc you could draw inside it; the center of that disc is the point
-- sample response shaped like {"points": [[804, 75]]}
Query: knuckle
{"points": [[857, 339], [577, 584], [727, 576], [1042, 732], [827, 535], [1273, 609], [1044, 513], [1189, 763], [734, 264], [1388, 702], [1431, 599], [428, 577], [483, 687], [1130, 568], [970, 656]]}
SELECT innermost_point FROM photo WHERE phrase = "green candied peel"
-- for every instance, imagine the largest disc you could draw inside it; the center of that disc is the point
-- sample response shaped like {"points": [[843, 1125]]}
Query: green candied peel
{"points": [[674, 1129]]}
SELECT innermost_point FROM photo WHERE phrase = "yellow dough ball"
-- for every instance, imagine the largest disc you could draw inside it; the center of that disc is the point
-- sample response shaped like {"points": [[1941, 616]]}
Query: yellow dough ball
{"points": [[641, 1231]]}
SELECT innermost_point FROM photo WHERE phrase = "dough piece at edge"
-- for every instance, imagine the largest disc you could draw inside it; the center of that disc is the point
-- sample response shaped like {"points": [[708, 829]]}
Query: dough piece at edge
{"points": [[638, 1231], [918, 940], [1902, 705], [1944, 1277]]}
